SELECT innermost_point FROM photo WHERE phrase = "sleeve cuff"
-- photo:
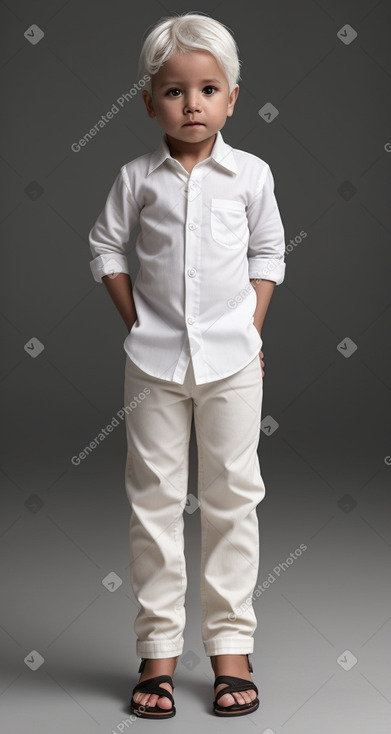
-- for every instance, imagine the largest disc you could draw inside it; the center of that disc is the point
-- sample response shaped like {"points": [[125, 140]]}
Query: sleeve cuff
{"points": [[266, 268], [107, 265]]}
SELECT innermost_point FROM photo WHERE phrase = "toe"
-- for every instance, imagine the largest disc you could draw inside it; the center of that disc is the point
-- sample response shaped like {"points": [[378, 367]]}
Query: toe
{"points": [[145, 700], [151, 700], [240, 697], [226, 700], [244, 696], [164, 702]]}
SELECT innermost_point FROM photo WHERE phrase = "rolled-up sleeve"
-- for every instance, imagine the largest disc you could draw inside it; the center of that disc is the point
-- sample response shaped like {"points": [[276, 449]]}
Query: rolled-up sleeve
{"points": [[109, 236], [266, 246]]}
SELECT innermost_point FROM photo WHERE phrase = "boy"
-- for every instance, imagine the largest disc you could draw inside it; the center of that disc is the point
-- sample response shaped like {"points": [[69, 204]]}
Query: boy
{"points": [[211, 250]]}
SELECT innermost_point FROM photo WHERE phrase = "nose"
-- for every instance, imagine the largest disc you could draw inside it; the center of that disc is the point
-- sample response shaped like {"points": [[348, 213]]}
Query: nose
{"points": [[192, 102]]}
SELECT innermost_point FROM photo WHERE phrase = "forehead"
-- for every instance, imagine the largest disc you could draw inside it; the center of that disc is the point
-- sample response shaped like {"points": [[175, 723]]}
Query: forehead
{"points": [[190, 66]]}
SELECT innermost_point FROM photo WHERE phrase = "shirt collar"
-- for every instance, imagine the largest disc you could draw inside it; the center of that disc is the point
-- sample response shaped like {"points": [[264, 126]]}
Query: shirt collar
{"points": [[221, 153]]}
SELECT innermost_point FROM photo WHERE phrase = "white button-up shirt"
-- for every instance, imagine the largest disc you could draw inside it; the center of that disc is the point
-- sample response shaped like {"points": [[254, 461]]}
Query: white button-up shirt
{"points": [[203, 236]]}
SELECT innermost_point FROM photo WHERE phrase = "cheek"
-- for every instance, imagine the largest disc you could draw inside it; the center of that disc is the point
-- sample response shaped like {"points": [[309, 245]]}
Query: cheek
{"points": [[168, 109], [163, 112], [220, 109]]}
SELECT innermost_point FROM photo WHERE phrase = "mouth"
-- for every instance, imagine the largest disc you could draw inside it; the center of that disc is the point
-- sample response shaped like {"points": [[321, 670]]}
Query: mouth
{"points": [[193, 124]]}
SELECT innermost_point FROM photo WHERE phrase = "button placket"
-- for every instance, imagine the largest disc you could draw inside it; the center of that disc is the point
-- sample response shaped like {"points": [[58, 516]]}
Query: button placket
{"points": [[192, 257]]}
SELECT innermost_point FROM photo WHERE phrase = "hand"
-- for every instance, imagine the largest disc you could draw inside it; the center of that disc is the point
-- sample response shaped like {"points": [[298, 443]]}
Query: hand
{"points": [[261, 355]]}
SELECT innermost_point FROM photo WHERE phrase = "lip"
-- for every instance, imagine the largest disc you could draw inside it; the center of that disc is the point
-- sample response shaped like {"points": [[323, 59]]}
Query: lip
{"points": [[193, 124]]}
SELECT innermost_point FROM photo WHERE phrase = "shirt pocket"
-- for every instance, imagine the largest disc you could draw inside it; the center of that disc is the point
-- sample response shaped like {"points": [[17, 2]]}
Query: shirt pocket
{"points": [[228, 223]]}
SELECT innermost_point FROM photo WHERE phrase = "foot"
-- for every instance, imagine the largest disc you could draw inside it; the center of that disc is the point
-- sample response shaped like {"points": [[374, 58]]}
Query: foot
{"points": [[153, 668], [236, 665]]}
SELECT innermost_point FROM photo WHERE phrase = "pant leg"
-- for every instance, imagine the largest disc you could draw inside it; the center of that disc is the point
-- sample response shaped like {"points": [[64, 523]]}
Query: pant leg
{"points": [[227, 417], [156, 479]]}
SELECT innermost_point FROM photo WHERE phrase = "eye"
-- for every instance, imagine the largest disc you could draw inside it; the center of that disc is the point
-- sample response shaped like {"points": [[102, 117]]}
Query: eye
{"points": [[210, 89], [171, 92]]}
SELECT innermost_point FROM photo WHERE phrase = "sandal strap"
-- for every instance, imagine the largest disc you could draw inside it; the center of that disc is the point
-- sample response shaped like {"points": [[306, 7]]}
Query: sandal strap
{"points": [[151, 685], [234, 685]]}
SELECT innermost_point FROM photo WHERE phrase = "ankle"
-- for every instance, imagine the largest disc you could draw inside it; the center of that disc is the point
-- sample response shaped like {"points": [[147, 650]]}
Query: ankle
{"points": [[228, 657], [229, 661], [160, 666]]}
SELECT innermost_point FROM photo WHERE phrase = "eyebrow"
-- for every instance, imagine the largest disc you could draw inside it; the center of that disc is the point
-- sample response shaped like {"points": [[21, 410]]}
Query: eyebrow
{"points": [[203, 81]]}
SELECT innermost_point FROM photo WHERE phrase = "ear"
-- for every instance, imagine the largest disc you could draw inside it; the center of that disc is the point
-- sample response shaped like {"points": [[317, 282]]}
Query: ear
{"points": [[148, 103], [232, 99]]}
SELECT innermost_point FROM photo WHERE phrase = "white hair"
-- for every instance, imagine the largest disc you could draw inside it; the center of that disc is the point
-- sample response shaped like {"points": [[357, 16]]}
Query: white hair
{"points": [[184, 33]]}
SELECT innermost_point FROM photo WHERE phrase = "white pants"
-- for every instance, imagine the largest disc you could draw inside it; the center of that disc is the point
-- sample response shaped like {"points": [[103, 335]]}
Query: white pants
{"points": [[227, 416]]}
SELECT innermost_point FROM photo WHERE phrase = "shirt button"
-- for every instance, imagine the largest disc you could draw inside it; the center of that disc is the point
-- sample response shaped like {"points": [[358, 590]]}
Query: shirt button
{"points": [[190, 320], [191, 272], [192, 225]]}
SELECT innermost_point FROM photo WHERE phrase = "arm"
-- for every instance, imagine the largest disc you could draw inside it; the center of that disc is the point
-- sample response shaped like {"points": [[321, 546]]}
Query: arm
{"points": [[266, 249], [119, 287], [264, 290], [108, 240]]}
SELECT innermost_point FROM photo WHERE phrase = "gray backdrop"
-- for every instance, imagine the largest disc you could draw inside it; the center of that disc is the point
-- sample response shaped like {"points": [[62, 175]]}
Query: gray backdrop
{"points": [[322, 648]]}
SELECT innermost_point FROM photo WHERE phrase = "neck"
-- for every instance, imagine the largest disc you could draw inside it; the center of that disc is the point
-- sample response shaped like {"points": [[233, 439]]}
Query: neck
{"points": [[190, 151]]}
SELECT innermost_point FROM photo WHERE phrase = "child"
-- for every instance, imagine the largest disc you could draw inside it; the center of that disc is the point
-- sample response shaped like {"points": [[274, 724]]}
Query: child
{"points": [[211, 250]]}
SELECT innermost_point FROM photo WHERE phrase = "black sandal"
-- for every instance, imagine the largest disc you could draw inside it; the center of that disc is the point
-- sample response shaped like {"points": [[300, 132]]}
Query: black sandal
{"points": [[235, 685], [151, 685]]}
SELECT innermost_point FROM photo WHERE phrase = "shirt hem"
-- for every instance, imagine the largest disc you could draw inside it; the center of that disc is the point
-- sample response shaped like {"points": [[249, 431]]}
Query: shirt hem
{"points": [[202, 380]]}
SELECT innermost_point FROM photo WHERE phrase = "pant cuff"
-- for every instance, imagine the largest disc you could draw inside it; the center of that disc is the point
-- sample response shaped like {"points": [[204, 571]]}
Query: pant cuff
{"points": [[159, 648], [229, 646]]}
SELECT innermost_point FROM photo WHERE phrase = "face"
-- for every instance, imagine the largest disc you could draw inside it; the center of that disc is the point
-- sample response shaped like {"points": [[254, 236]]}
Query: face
{"points": [[190, 88]]}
